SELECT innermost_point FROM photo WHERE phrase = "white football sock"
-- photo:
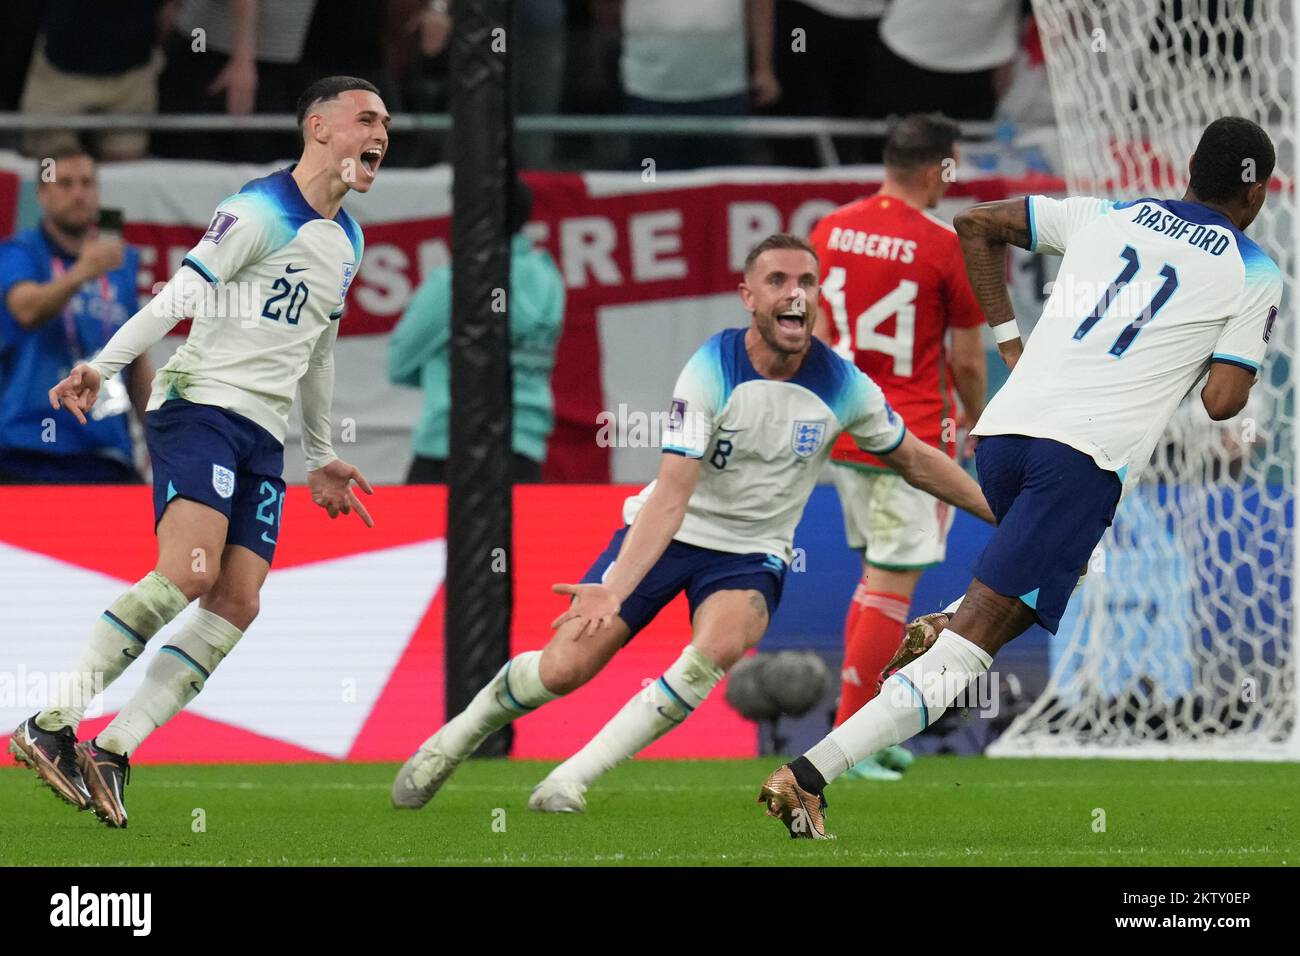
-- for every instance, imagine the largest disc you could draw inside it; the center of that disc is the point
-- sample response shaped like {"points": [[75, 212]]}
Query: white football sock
{"points": [[516, 690], [174, 678], [655, 710], [118, 638], [912, 699]]}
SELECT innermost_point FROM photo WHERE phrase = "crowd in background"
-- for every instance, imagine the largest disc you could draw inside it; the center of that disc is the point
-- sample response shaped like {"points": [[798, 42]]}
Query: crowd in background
{"points": [[862, 59], [865, 59]]}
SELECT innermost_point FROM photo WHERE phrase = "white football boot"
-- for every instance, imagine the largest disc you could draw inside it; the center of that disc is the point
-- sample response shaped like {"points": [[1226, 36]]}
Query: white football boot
{"points": [[559, 796], [422, 776]]}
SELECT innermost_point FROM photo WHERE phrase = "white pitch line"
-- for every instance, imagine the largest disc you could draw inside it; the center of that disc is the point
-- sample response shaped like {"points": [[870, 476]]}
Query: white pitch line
{"points": [[838, 852]]}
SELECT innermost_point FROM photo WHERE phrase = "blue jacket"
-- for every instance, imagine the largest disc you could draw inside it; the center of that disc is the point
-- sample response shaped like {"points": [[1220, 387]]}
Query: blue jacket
{"points": [[32, 361]]}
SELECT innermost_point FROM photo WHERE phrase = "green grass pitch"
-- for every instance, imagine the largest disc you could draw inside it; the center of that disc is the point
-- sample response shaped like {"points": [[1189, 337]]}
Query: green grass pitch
{"points": [[946, 811]]}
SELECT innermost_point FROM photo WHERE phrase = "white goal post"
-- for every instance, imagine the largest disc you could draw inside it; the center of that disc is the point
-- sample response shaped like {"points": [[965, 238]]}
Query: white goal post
{"points": [[1182, 639]]}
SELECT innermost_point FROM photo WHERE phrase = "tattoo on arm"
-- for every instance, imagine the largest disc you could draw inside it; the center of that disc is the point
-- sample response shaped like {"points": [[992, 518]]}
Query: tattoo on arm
{"points": [[984, 232]]}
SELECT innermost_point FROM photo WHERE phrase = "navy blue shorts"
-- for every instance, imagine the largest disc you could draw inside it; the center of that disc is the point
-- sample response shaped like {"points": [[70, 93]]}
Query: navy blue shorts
{"points": [[1053, 504], [700, 571], [222, 460]]}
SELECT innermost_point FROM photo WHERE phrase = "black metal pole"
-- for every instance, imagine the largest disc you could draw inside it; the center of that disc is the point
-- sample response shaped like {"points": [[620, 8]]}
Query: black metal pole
{"points": [[479, 475]]}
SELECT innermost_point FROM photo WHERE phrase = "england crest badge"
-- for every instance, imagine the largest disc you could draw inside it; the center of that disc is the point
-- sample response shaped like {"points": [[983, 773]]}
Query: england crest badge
{"points": [[806, 438], [223, 481]]}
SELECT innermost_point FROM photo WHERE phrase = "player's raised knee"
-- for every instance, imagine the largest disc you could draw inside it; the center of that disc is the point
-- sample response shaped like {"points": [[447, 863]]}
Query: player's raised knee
{"points": [[565, 667], [194, 581], [562, 676], [239, 609]]}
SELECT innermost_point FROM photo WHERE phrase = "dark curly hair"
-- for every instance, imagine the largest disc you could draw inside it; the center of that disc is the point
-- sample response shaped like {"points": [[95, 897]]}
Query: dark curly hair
{"points": [[1233, 155]]}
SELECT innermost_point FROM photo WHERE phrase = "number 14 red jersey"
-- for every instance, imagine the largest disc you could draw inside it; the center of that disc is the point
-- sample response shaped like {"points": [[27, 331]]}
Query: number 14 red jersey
{"points": [[892, 283]]}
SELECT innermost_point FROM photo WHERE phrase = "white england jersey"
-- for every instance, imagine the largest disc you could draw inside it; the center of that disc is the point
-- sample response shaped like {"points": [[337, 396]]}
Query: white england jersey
{"points": [[279, 274], [1150, 292], [763, 442]]}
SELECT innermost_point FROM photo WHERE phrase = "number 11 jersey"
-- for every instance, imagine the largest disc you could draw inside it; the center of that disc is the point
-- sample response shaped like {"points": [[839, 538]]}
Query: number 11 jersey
{"points": [[1149, 294]]}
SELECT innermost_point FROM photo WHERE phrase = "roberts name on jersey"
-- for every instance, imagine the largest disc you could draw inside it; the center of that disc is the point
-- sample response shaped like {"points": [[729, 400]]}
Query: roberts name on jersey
{"points": [[763, 442], [893, 284], [289, 268]]}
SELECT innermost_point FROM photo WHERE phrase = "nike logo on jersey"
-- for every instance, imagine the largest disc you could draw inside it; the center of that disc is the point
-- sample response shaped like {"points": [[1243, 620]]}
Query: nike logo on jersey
{"points": [[291, 269]]}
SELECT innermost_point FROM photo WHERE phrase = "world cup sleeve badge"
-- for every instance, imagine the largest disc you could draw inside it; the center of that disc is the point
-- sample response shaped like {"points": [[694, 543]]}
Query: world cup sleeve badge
{"points": [[806, 438], [677, 415], [220, 225]]}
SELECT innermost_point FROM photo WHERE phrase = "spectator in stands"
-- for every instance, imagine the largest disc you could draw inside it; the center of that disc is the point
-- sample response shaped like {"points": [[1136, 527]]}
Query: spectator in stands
{"points": [[951, 57], [17, 45], [538, 36], [829, 71], [235, 57], [418, 354], [685, 57], [94, 57], [350, 39], [64, 290]]}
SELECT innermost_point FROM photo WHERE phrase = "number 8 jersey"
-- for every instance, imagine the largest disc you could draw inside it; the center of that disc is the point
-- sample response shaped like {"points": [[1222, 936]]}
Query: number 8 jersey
{"points": [[893, 283], [278, 275], [1150, 292]]}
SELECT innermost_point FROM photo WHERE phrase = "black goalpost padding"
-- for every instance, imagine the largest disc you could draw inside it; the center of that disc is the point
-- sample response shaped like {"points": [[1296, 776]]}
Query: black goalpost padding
{"points": [[479, 567]]}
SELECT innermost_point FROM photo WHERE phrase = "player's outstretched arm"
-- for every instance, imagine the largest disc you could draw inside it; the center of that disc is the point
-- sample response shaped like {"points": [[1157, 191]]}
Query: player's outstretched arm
{"points": [[329, 477], [78, 392], [931, 470], [652, 530], [332, 489], [984, 232]]}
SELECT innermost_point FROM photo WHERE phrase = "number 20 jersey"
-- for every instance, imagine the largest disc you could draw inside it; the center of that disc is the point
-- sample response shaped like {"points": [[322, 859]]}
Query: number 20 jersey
{"points": [[279, 274], [1149, 294], [893, 283]]}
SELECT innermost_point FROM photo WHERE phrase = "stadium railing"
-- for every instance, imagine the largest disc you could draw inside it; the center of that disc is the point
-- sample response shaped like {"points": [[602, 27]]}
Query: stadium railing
{"points": [[821, 130]]}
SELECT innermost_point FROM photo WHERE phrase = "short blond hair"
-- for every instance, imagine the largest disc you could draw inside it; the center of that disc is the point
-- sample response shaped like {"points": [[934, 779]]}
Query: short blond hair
{"points": [[778, 240]]}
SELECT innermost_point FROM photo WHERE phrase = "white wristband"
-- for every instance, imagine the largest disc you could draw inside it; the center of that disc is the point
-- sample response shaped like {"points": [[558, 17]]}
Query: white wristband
{"points": [[1006, 331]]}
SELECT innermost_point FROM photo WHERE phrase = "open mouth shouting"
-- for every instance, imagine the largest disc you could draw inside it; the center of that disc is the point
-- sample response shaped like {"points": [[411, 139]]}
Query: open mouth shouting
{"points": [[370, 160], [792, 318]]}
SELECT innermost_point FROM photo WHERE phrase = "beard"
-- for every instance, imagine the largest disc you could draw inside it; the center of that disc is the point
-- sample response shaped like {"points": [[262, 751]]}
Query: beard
{"points": [[71, 226], [770, 332]]}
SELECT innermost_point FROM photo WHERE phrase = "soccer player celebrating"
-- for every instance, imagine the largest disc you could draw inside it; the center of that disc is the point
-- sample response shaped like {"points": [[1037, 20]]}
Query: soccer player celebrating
{"points": [[1152, 295], [894, 286], [753, 417], [215, 430]]}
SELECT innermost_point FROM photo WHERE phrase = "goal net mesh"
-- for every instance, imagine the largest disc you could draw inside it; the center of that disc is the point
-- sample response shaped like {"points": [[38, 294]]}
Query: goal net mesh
{"points": [[1179, 641]]}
